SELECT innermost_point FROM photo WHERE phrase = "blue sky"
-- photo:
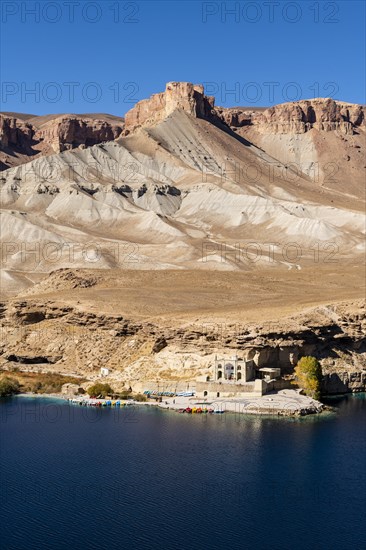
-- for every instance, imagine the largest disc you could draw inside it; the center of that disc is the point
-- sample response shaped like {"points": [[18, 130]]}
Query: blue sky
{"points": [[103, 56]]}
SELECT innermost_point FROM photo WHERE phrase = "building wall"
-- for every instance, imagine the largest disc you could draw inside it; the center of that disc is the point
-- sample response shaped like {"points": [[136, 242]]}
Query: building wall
{"points": [[279, 384], [224, 389], [242, 370]]}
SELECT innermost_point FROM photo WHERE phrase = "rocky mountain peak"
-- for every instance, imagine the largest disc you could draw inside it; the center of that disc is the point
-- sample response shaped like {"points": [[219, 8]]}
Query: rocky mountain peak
{"points": [[184, 96], [323, 114]]}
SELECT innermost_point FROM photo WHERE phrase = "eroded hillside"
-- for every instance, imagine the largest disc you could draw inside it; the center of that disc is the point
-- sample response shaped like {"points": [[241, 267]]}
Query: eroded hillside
{"points": [[166, 328], [196, 231]]}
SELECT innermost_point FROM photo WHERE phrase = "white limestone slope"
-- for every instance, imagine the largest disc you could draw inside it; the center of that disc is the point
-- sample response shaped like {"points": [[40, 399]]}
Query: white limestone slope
{"points": [[159, 197]]}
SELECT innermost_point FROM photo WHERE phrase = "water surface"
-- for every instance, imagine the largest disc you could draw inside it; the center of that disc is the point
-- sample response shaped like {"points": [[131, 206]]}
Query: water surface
{"points": [[85, 478]]}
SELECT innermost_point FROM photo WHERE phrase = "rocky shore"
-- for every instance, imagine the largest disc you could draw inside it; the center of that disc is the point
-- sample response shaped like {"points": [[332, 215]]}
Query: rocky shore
{"points": [[144, 353], [282, 403]]}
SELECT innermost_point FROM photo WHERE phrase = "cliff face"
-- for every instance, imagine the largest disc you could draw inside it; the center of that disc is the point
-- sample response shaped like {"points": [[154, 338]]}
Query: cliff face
{"points": [[178, 95], [15, 132], [74, 338], [21, 141], [293, 117], [344, 381], [69, 132], [299, 117], [322, 138]]}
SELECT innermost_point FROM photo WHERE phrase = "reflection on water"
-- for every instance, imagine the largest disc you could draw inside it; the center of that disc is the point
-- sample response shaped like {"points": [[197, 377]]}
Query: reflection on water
{"points": [[146, 478]]}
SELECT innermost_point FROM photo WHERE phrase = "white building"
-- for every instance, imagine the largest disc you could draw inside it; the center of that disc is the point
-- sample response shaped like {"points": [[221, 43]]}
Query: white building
{"points": [[236, 377], [235, 369]]}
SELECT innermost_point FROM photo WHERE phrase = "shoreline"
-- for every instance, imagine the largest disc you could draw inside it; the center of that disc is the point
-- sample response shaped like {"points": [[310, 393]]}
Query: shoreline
{"points": [[282, 403]]}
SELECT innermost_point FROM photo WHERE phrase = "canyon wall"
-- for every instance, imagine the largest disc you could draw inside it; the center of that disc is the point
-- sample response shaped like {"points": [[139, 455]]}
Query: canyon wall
{"points": [[15, 133], [21, 141], [69, 132], [298, 117], [71, 339]]}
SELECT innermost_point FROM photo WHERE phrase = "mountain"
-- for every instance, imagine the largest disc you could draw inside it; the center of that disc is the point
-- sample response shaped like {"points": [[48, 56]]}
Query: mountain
{"points": [[189, 186], [323, 138], [187, 214]]}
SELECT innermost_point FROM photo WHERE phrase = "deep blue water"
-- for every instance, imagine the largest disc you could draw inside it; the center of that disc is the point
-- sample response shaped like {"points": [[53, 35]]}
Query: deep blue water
{"points": [[81, 478]]}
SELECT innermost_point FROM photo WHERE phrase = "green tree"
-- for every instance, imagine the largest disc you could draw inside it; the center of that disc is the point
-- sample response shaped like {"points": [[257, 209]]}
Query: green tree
{"points": [[308, 375], [8, 386], [100, 390]]}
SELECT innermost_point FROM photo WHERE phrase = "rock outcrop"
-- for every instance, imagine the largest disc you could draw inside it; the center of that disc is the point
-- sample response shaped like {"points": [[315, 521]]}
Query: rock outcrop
{"points": [[68, 132], [24, 140], [298, 117], [15, 133], [73, 337], [178, 95], [344, 380]]}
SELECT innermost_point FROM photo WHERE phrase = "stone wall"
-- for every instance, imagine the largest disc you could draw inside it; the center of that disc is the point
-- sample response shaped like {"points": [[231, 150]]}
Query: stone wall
{"points": [[217, 390]]}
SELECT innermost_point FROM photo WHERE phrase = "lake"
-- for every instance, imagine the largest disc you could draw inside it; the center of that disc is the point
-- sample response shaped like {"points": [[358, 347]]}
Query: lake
{"points": [[144, 478]]}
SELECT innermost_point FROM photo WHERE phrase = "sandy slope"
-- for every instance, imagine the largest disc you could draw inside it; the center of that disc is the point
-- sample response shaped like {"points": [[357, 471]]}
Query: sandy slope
{"points": [[182, 194]]}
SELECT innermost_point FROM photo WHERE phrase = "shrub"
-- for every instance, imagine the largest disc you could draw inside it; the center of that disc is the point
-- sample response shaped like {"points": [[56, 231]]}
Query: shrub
{"points": [[35, 387], [308, 375], [100, 390], [124, 395], [8, 386], [140, 397]]}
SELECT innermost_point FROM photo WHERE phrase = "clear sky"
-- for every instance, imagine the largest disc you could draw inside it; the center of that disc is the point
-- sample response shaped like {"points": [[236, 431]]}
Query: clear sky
{"points": [[73, 56]]}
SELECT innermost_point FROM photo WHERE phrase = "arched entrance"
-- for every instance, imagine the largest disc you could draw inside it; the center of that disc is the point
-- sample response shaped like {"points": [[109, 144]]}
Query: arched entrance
{"points": [[219, 374], [228, 371], [218, 394], [205, 394], [239, 376]]}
